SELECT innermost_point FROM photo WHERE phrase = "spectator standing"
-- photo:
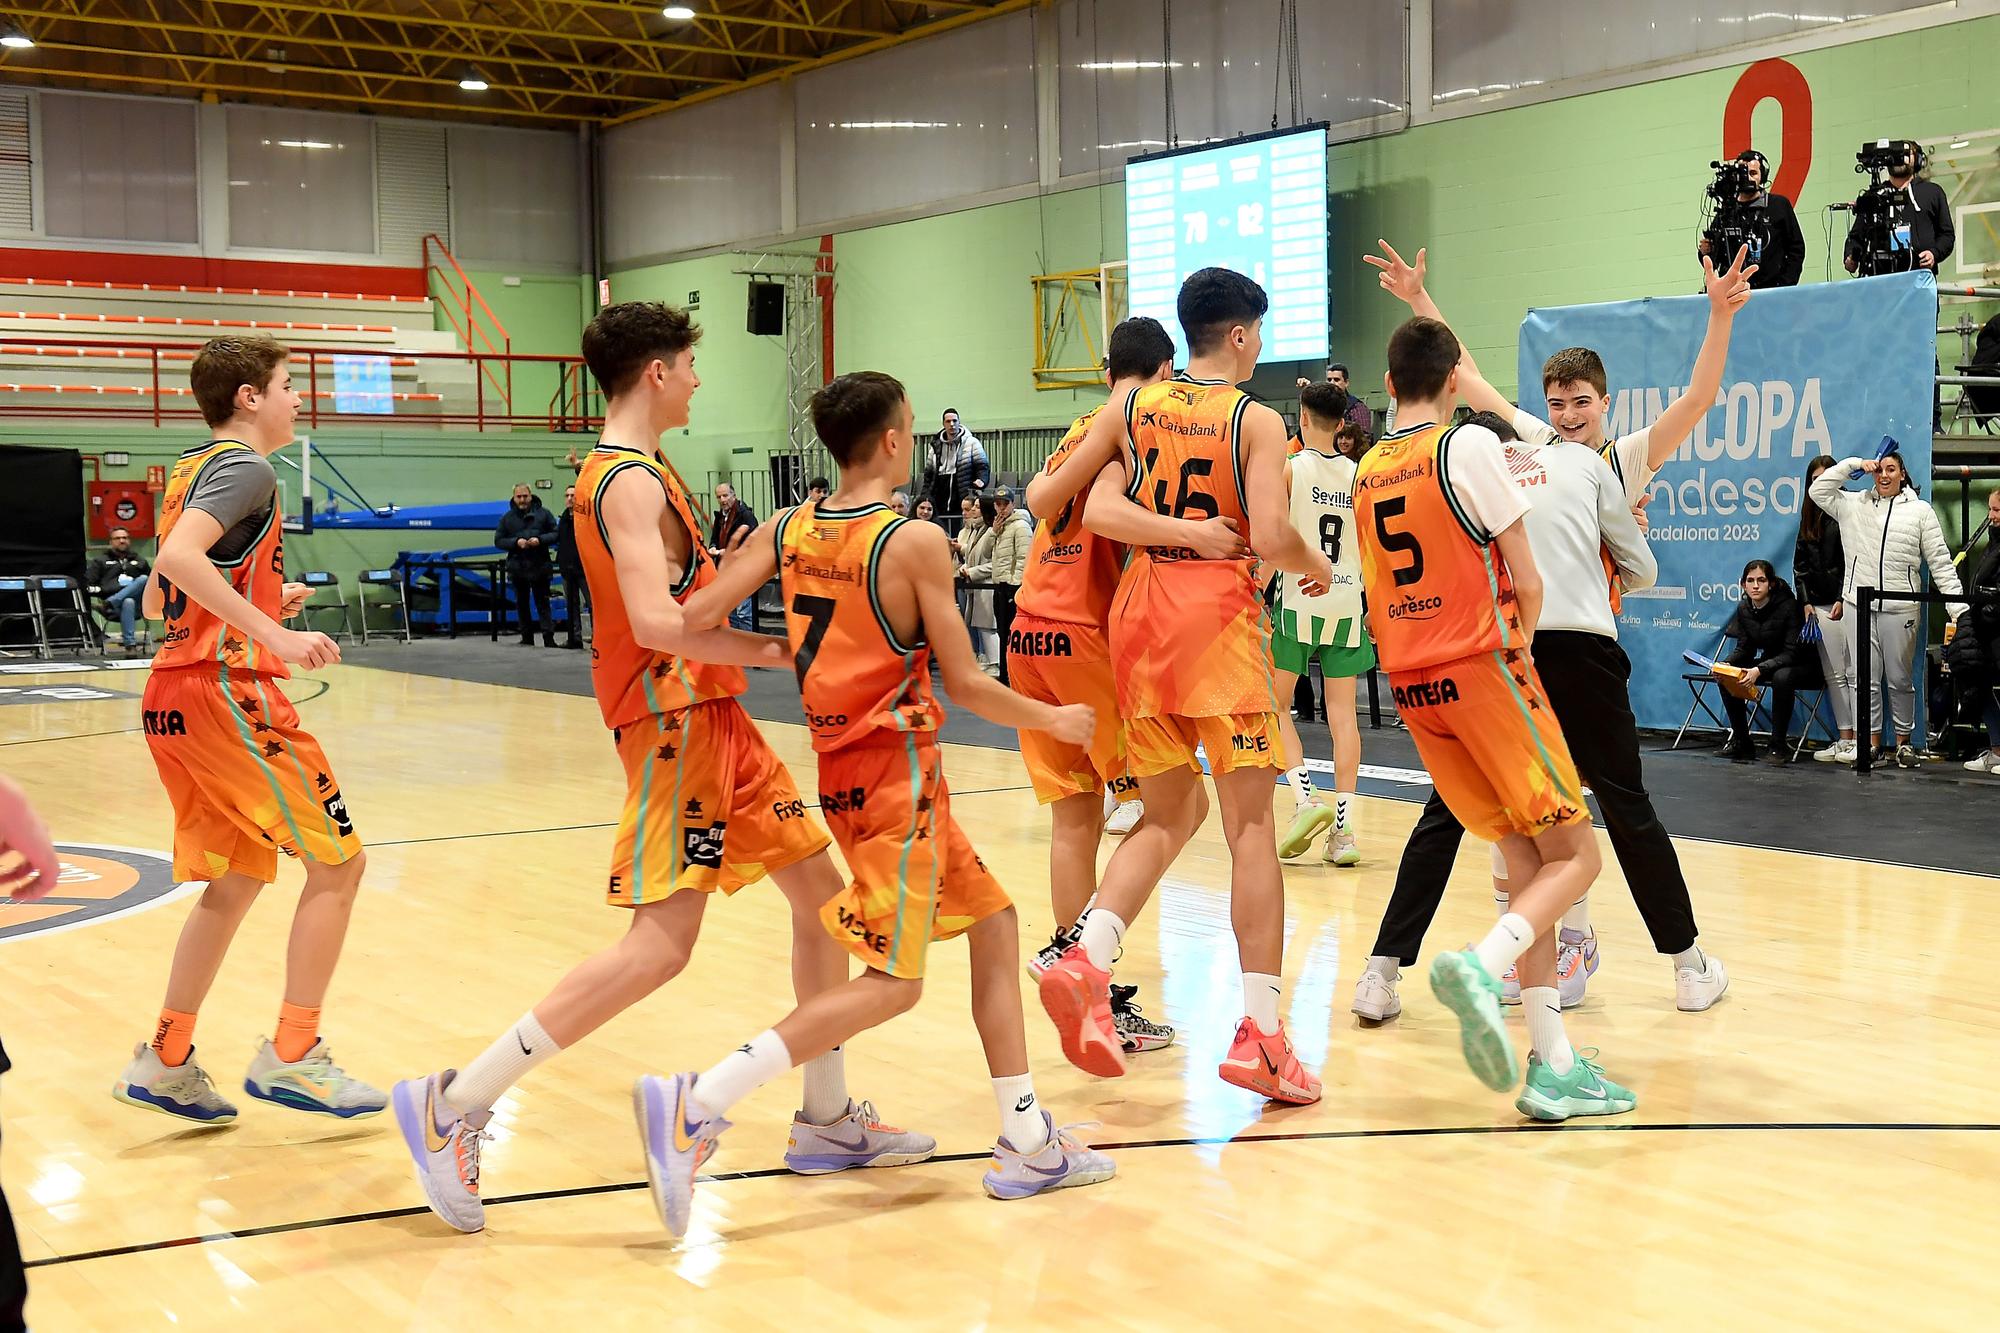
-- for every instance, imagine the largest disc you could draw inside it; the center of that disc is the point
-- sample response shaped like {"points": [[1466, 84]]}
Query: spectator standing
{"points": [[926, 510], [118, 578], [1818, 569], [576, 590], [1013, 534], [732, 516], [1888, 535], [975, 556], [817, 490], [1974, 651], [525, 533], [956, 468], [1766, 628], [900, 503]]}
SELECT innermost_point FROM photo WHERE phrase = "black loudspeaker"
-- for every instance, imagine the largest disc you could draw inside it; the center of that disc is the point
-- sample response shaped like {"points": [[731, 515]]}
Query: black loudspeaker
{"points": [[767, 308], [787, 481]]}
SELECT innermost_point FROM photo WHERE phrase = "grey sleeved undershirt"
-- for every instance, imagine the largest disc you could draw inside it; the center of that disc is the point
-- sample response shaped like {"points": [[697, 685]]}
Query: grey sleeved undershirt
{"points": [[238, 490]]}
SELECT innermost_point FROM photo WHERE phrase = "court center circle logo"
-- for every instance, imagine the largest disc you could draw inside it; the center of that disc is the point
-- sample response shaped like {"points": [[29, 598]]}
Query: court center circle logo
{"points": [[99, 883]]}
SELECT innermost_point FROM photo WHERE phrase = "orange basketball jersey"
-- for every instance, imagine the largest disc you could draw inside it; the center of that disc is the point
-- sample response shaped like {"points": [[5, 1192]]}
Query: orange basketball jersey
{"points": [[1437, 591], [195, 635], [1072, 573], [1188, 634], [858, 681], [630, 680]]}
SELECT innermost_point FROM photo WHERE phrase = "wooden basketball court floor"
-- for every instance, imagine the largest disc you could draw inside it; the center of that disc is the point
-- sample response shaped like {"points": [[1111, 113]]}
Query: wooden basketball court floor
{"points": [[1819, 1150]]}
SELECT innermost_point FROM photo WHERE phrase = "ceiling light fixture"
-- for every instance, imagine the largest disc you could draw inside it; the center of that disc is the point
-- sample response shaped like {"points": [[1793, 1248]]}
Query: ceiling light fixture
{"points": [[678, 13], [472, 81], [15, 40], [1962, 143]]}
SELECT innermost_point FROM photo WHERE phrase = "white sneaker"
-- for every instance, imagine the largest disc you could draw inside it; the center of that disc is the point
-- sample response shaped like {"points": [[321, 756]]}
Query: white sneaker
{"points": [[1341, 848], [1375, 997], [1694, 990], [445, 1149], [1576, 961], [1840, 752], [1125, 818], [1987, 761]]}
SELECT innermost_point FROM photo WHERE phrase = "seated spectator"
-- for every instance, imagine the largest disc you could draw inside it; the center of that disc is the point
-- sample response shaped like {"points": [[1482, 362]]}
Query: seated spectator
{"points": [[118, 579], [926, 510], [1974, 651], [1766, 628], [900, 503]]}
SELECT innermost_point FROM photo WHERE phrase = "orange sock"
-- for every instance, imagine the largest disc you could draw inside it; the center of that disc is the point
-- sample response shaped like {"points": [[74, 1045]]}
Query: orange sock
{"points": [[298, 1031], [174, 1041]]}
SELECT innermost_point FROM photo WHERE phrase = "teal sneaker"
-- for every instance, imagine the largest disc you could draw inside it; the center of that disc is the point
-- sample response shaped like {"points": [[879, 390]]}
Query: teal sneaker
{"points": [[1311, 820], [1469, 990], [1582, 1091]]}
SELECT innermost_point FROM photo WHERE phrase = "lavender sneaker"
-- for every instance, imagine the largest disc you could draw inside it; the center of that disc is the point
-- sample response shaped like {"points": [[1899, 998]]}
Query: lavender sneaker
{"points": [[1059, 1163]]}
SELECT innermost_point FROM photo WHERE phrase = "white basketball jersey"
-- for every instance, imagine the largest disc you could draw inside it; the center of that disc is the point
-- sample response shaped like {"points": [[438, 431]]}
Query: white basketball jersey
{"points": [[1323, 512]]}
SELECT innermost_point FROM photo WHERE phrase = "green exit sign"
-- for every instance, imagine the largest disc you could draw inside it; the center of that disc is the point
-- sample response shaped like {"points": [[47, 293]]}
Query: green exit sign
{"points": [[694, 301]]}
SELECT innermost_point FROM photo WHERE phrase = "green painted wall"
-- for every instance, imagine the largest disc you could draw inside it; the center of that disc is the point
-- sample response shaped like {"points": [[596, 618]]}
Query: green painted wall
{"points": [[1586, 199], [543, 314]]}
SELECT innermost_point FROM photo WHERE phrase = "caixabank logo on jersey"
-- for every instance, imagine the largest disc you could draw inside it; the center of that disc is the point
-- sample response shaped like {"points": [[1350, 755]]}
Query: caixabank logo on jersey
{"points": [[99, 883]]}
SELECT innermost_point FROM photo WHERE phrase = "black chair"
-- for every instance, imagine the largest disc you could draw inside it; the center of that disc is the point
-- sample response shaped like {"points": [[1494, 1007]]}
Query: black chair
{"points": [[318, 579], [392, 581]]}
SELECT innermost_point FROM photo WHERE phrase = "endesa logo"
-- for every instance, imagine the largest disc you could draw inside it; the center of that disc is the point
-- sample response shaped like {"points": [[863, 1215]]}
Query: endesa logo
{"points": [[98, 883]]}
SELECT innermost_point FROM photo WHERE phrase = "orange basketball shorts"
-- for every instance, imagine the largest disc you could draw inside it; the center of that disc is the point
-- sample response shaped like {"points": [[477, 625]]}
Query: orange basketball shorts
{"points": [[1155, 745], [1060, 663], [708, 806], [246, 783], [915, 877], [1484, 729]]}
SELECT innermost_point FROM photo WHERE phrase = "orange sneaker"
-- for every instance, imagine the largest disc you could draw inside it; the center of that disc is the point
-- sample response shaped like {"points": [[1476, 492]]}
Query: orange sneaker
{"points": [[1078, 998], [1266, 1065]]}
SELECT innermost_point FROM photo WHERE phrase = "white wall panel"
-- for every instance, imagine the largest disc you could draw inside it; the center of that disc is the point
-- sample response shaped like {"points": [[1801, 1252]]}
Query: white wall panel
{"points": [[945, 117], [515, 197], [17, 167], [118, 168], [704, 176], [1353, 59], [410, 189], [301, 180], [1490, 46]]}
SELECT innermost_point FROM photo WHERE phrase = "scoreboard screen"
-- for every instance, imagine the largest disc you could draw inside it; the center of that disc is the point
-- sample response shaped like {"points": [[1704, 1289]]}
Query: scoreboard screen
{"points": [[1255, 205]]}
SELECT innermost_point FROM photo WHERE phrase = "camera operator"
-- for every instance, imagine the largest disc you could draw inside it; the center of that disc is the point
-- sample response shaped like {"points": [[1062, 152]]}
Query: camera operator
{"points": [[1897, 217], [1748, 213]]}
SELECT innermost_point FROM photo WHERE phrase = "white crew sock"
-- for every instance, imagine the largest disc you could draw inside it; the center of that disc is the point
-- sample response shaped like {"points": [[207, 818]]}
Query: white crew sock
{"points": [[1543, 1006], [1693, 957], [1260, 1000], [1509, 939], [1302, 785], [499, 1067], [1385, 967], [1343, 810], [1577, 918], [1103, 932], [825, 1098], [742, 1072], [1021, 1122]]}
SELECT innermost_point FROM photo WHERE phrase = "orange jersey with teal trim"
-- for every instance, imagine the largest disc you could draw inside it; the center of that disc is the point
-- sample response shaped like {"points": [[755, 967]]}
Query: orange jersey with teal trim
{"points": [[195, 635], [629, 679], [1189, 637], [1072, 573], [858, 681], [1437, 591]]}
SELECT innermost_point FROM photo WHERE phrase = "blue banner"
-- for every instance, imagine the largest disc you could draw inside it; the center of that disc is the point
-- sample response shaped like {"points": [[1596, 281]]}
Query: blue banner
{"points": [[1828, 368]]}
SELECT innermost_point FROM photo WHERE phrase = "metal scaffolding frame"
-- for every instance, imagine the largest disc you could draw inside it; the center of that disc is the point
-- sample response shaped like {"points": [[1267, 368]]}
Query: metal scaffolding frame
{"points": [[807, 277]]}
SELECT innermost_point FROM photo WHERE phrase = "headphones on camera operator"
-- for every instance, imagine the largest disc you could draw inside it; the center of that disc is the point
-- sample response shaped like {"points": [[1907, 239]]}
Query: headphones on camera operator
{"points": [[1886, 243], [1736, 222]]}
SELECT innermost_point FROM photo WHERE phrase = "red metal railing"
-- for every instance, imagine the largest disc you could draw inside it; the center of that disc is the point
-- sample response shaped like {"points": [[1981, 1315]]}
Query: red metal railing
{"points": [[571, 408], [458, 307]]}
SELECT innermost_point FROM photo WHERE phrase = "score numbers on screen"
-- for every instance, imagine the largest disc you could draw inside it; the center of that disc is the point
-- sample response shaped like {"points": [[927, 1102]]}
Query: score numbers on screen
{"points": [[1255, 205]]}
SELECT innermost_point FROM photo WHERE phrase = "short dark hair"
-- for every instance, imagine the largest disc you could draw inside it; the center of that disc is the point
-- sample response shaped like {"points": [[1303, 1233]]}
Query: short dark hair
{"points": [[224, 365], [116, 531], [1575, 365], [1325, 403], [821, 483], [619, 343], [849, 413], [1496, 423], [1770, 572], [1137, 348], [1215, 300], [1332, 366], [949, 412], [1422, 353]]}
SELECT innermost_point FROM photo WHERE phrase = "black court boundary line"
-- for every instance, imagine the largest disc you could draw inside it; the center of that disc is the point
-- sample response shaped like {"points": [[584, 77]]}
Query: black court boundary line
{"points": [[768, 1173]]}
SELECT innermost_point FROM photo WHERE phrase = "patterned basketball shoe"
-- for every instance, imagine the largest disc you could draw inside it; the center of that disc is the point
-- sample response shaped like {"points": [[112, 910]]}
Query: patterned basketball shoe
{"points": [[1077, 996], [1264, 1063], [1136, 1032], [1061, 1162], [858, 1138], [182, 1091], [444, 1146], [313, 1082]]}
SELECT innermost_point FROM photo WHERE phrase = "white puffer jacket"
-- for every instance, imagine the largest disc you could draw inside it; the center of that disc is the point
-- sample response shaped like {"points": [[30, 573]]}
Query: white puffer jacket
{"points": [[1887, 540]]}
